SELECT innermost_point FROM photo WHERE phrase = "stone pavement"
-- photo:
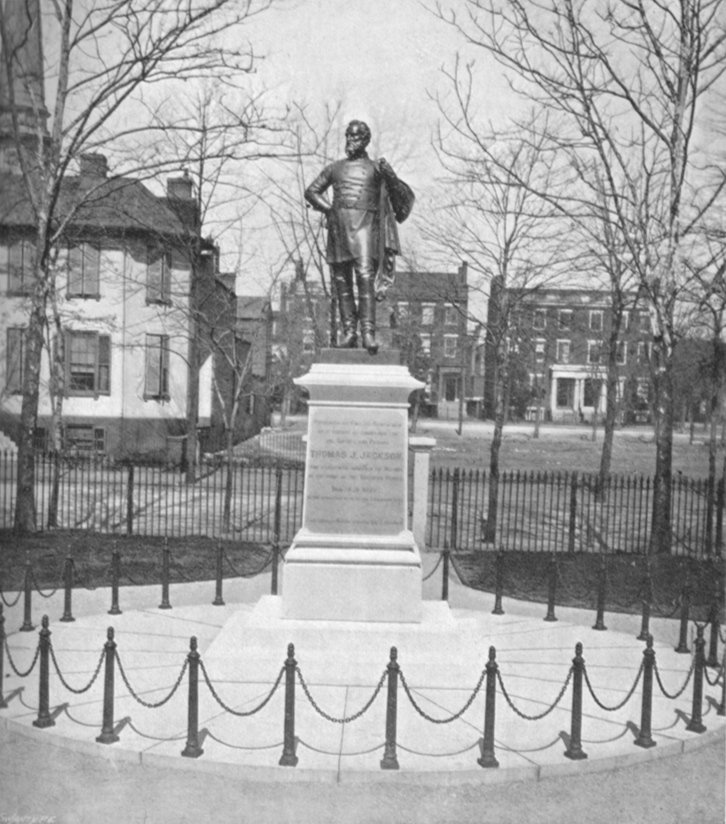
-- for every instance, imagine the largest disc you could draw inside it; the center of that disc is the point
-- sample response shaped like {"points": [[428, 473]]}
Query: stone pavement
{"points": [[243, 656]]}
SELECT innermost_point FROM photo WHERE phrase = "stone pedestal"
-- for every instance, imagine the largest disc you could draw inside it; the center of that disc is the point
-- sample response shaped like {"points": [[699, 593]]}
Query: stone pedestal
{"points": [[355, 559]]}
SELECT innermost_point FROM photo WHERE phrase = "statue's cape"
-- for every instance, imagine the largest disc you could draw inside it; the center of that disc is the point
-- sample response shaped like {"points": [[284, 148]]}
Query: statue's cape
{"points": [[396, 203]]}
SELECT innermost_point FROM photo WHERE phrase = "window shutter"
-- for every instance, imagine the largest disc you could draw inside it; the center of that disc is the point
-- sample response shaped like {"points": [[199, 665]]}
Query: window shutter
{"points": [[14, 361], [151, 385], [103, 373], [75, 270], [67, 361], [153, 277], [15, 267], [91, 267], [164, 383]]}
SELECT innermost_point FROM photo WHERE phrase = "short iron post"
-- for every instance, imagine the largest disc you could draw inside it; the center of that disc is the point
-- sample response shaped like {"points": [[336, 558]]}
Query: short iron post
{"points": [[575, 751], [552, 590], [647, 601], [192, 748], [645, 738], [499, 585], [712, 660], [3, 702], [68, 590], [27, 597], [601, 586], [165, 572], [486, 744], [218, 600], [685, 610], [289, 758], [696, 725], [389, 760], [44, 720], [108, 736], [445, 576], [276, 539], [115, 575]]}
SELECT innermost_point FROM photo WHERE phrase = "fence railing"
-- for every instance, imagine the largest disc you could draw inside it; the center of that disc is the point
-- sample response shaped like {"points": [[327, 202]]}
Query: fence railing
{"points": [[570, 512], [535, 511]]}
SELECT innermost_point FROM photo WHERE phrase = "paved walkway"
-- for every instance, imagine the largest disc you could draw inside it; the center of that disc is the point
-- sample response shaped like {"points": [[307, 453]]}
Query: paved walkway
{"points": [[243, 660]]}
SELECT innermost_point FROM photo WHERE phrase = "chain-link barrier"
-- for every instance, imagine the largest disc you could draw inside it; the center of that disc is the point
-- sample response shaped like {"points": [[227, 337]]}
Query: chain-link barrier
{"points": [[7, 603], [240, 713], [624, 701], [349, 718], [136, 697], [63, 680], [12, 663], [451, 718], [39, 590], [259, 571], [438, 564], [717, 680], [542, 714], [685, 683]]}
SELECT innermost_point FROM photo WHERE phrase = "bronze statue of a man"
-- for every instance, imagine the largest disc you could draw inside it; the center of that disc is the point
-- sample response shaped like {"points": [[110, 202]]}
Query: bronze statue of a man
{"points": [[368, 200]]}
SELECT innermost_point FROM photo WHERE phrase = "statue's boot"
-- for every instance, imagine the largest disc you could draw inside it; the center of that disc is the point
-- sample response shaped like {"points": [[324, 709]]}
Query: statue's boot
{"points": [[367, 313], [346, 305]]}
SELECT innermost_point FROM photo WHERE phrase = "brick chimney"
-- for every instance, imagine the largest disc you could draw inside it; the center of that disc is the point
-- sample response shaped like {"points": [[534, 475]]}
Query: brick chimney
{"points": [[94, 165], [179, 188]]}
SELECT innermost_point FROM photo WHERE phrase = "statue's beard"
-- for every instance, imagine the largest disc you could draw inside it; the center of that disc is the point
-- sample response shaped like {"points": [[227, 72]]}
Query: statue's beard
{"points": [[355, 152]]}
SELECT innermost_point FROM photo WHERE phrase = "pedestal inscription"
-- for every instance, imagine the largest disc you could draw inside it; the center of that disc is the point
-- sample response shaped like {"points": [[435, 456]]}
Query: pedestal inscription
{"points": [[355, 471]]}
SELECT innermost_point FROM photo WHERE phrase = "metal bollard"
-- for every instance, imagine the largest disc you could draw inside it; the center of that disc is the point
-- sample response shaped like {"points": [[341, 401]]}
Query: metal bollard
{"points": [[68, 586], [28, 595], [165, 572], [601, 586], [645, 738], [389, 760], [193, 749], [3, 702], [685, 609], [712, 660], [499, 584], [218, 600], [115, 575], [552, 590], [647, 601], [486, 744], [445, 576], [108, 736], [44, 720], [575, 751], [696, 725], [289, 758]]}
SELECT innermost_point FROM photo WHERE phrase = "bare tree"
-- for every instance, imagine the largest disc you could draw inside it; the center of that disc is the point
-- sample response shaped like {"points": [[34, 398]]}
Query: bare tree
{"points": [[622, 83], [104, 59]]}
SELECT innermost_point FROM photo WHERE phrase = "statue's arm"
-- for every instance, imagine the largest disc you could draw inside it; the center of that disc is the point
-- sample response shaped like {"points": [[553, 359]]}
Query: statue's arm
{"points": [[314, 192]]}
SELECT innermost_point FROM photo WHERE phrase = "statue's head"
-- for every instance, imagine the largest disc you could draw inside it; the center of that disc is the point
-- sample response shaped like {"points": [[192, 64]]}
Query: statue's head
{"points": [[357, 138]]}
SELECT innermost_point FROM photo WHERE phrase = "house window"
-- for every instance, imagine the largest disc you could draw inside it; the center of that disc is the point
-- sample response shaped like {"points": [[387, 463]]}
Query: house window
{"points": [[450, 346], [539, 350], [564, 319], [156, 384], [621, 354], [591, 392], [84, 262], [158, 276], [642, 389], [427, 314], [625, 324], [596, 321], [425, 343], [15, 360], [539, 321], [452, 387], [88, 363], [563, 351], [20, 267], [643, 352], [85, 439], [308, 340], [593, 351], [403, 310], [451, 315], [565, 393], [644, 322]]}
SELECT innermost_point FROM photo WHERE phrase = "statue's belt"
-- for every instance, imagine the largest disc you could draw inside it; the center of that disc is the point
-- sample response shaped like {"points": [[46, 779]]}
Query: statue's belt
{"points": [[354, 204]]}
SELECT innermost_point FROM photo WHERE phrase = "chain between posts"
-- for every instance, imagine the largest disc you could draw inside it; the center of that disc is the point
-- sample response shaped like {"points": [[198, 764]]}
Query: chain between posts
{"points": [[136, 697], [7, 603], [39, 590], [624, 701], [347, 719], [249, 574], [438, 564], [685, 683], [226, 707], [716, 680], [542, 714], [63, 680], [451, 718], [12, 663]]}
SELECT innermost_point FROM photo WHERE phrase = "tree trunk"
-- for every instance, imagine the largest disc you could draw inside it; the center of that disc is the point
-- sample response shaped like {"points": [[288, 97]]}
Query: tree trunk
{"points": [[660, 538], [500, 381], [537, 417], [227, 511], [415, 411]]}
